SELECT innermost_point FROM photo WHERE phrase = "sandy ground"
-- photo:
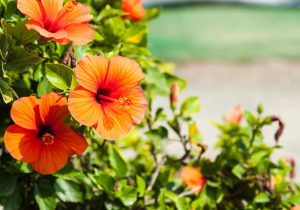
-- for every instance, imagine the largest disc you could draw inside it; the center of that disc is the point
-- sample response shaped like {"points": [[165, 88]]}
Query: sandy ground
{"points": [[221, 85]]}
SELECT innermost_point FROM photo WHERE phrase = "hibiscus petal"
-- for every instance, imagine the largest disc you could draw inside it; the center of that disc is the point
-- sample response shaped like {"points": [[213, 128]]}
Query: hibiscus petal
{"points": [[25, 112], [123, 74], [60, 34], [138, 103], [52, 8], [52, 158], [80, 34], [70, 138], [53, 108], [84, 107], [31, 8], [114, 122], [91, 72], [22, 144], [74, 13]]}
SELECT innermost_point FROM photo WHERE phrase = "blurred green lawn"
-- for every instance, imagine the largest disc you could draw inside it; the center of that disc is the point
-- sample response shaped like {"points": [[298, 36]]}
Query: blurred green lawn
{"points": [[226, 32]]}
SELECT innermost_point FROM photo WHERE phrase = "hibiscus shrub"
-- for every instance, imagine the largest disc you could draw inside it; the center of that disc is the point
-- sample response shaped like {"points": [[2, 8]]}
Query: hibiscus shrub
{"points": [[80, 126]]}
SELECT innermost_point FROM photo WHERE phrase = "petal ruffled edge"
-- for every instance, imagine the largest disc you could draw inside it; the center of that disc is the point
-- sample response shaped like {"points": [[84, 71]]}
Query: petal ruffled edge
{"points": [[52, 158], [114, 123], [80, 34], [22, 144], [71, 139], [123, 74], [32, 9], [25, 112], [91, 71], [83, 106]]}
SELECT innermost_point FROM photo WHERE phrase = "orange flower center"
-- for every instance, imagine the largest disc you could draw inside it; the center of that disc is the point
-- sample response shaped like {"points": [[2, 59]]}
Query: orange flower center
{"points": [[46, 134], [103, 95]]}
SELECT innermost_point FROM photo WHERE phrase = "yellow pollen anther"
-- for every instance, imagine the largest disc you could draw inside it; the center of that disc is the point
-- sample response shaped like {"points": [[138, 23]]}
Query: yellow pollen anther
{"points": [[124, 102], [70, 6], [48, 139]]}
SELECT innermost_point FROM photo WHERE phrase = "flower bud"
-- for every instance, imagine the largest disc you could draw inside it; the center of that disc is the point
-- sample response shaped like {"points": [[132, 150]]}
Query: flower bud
{"points": [[235, 115], [175, 89]]}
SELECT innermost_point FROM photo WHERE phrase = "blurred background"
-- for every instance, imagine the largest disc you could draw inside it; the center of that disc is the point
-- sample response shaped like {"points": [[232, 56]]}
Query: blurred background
{"points": [[242, 52]]}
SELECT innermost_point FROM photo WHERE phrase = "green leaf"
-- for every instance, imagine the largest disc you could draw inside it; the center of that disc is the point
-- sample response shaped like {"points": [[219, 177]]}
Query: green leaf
{"points": [[238, 171], [179, 202], [44, 87], [190, 107], [8, 184], [22, 35], [127, 194], [20, 60], [158, 80], [59, 75], [171, 78], [6, 91], [68, 173], [44, 194], [117, 162], [22, 167], [14, 200], [68, 191], [141, 185], [261, 198], [106, 181]]}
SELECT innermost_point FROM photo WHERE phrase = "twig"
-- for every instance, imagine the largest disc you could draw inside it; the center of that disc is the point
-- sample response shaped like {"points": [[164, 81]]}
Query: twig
{"points": [[191, 192], [203, 150], [187, 151], [69, 58], [152, 150], [156, 173]]}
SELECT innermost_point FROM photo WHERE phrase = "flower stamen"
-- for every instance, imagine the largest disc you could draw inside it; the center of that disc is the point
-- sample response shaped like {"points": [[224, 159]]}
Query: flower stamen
{"points": [[124, 102], [48, 139]]}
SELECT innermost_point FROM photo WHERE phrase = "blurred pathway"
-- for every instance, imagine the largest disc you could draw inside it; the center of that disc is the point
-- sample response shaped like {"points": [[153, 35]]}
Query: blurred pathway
{"points": [[221, 85]]}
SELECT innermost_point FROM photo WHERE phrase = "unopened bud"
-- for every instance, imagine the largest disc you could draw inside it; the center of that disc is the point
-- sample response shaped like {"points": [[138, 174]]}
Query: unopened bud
{"points": [[235, 115], [175, 90]]}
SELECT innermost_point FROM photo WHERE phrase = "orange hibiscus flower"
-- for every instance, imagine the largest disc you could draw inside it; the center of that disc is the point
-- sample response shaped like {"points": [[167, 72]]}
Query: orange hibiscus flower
{"points": [[193, 178], [134, 9], [108, 97], [57, 22], [39, 136]]}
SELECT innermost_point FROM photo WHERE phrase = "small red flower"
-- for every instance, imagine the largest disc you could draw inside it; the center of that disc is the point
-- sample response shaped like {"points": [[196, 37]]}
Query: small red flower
{"points": [[193, 178], [55, 21], [39, 136], [134, 9], [108, 97]]}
